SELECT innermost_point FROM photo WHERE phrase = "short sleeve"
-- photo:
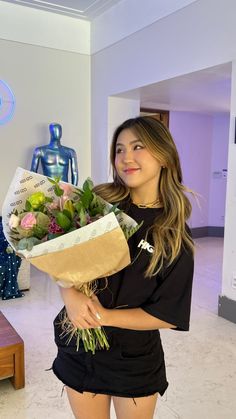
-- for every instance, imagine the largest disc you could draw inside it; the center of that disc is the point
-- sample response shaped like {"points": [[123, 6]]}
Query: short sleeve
{"points": [[171, 299]]}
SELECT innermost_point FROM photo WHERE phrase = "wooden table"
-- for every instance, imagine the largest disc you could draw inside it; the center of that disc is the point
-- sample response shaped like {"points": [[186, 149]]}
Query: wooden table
{"points": [[11, 354]]}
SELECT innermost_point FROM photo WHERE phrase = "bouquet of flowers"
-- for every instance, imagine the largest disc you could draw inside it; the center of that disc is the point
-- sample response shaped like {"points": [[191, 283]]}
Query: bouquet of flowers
{"points": [[60, 228]]}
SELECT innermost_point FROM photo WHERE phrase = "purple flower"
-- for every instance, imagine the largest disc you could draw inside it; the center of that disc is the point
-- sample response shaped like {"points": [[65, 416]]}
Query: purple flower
{"points": [[54, 227]]}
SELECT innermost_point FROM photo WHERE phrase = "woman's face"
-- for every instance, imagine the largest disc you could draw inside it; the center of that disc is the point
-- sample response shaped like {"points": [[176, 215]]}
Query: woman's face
{"points": [[134, 164]]}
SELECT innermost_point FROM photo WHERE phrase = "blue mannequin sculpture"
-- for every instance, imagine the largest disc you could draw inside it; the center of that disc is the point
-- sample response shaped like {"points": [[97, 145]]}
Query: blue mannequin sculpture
{"points": [[56, 159]]}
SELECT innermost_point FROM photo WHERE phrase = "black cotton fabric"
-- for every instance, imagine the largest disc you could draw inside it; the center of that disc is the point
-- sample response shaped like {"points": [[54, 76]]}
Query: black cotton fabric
{"points": [[134, 366]]}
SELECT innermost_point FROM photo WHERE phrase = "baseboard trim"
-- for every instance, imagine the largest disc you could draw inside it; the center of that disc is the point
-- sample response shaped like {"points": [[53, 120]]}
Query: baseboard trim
{"points": [[227, 308], [207, 231]]}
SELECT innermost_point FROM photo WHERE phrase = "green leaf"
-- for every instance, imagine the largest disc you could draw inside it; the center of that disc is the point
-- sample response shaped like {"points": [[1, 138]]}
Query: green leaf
{"points": [[28, 206], [78, 191], [27, 243], [51, 180], [68, 206], [43, 220], [68, 214], [86, 198], [54, 180], [96, 205], [82, 217], [9, 250], [129, 231], [39, 232], [58, 191], [72, 229], [48, 199], [114, 209], [63, 221], [95, 211], [88, 184], [78, 206], [51, 236]]}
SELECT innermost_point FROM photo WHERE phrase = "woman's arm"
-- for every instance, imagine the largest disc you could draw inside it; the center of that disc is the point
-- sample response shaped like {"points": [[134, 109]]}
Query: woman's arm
{"points": [[80, 309], [85, 312], [133, 318]]}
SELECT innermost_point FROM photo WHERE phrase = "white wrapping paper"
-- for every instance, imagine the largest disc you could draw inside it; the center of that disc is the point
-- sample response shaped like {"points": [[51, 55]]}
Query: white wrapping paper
{"points": [[96, 250]]}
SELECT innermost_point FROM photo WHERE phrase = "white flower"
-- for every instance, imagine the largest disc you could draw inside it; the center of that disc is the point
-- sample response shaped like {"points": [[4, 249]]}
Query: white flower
{"points": [[14, 221]]}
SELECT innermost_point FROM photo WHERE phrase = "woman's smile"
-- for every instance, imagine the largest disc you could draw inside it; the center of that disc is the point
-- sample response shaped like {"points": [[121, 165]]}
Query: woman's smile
{"points": [[130, 170]]}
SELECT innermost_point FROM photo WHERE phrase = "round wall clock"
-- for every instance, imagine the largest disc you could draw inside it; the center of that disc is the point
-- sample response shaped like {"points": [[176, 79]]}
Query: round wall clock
{"points": [[7, 103]]}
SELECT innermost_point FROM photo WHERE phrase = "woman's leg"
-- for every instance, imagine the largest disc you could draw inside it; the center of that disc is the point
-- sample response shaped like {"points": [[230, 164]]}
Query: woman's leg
{"points": [[88, 405], [139, 408]]}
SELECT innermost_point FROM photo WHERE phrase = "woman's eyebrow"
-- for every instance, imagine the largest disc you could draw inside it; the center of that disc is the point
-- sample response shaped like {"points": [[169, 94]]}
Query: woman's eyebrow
{"points": [[131, 142]]}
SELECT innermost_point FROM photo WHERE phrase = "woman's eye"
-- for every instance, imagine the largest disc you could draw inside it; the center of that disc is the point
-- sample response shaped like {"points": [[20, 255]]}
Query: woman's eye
{"points": [[119, 150], [138, 147]]}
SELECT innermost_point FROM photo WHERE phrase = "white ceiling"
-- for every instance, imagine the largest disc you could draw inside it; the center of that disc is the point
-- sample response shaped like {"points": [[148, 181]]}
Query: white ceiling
{"points": [[206, 91], [81, 9]]}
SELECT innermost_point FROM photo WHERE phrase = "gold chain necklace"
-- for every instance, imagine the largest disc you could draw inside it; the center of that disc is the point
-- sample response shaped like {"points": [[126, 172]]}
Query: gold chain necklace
{"points": [[153, 204]]}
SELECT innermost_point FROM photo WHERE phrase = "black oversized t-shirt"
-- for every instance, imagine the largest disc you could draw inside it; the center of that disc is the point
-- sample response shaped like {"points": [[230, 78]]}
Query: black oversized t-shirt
{"points": [[166, 295]]}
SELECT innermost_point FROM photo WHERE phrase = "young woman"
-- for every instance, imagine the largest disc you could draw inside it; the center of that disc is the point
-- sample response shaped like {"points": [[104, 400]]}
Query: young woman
{"points": [[152, 293]]}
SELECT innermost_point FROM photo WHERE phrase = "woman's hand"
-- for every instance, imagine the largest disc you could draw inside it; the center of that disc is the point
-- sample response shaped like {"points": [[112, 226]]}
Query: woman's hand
{"points": [[103, 313], [81, 309]]}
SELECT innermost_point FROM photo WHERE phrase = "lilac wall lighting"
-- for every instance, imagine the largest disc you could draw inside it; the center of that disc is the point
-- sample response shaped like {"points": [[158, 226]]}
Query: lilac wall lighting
{"points": [[7, 103]]}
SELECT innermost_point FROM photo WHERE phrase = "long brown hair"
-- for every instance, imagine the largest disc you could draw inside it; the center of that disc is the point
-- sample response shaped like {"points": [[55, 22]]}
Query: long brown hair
{"points": [[169, 229]]}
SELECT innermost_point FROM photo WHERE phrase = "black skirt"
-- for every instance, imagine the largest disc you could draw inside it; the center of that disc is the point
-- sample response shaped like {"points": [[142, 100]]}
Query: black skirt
{"points": [[133, 366]]}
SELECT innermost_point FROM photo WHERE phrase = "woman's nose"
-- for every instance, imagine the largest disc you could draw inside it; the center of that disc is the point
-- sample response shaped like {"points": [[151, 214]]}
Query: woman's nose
{"points": [[128, 156]]}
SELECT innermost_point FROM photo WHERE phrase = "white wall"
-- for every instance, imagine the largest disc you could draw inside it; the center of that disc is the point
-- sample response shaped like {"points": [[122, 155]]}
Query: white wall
{"points": [[193, 137], [38, 27], [119, 109], [218, 175], [49, 86], [130, 16], [202, 142]]}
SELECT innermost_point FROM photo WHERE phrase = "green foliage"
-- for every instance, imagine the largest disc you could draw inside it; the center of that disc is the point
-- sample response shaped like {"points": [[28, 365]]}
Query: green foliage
{"points": [[89, 204], [83, 207], [39, 231], [51, 236], [68, 214], [129, 231], [69, 208], [58, 191], [88, 185], [86, 196], [27, 243], [28, 206], [63, 221], [82, 217], [43, 220], [114, 209]]}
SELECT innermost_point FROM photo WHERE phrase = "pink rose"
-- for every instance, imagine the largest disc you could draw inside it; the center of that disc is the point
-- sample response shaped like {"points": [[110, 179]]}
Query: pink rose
{"points": [[28, 221], [67, 188]]}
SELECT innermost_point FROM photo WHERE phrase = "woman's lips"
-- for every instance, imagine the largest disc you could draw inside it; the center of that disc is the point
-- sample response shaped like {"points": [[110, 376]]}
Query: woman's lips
{"points": [[130, 171]]}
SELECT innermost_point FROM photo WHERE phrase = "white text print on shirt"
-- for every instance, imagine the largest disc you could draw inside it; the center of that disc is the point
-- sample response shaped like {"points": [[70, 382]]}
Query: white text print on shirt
{"points": [[146, 246]]}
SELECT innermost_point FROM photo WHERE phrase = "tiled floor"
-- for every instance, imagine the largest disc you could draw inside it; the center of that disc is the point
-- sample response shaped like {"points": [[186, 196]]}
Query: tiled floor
{"points": [[201, 364]]}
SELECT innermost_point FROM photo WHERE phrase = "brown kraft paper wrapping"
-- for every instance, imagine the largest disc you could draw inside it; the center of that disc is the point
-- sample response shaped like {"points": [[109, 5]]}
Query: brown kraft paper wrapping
{"points": [[81, 263]]}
